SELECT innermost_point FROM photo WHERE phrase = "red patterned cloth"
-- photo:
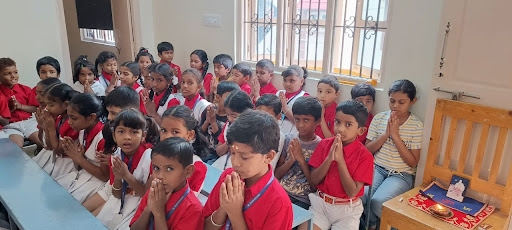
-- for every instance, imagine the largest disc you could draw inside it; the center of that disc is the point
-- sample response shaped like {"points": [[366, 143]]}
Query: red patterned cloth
{"points": [[459, 219]]}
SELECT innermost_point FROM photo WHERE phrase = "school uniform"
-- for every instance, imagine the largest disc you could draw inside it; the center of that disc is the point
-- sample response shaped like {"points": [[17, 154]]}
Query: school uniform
{"points": [[171, 101], [329, 116], [178, 72], [246, 88], [4, 113], [271, 209], [96, 87], [182, 207], [223, 162], [20, 123], [52, 164], [331, 206], [197, 105], [207, 83], [104, 79], [81, 184], [362, 138], [139, 89], [286, 125], [196, 181], [139, 165], [268, 89]]}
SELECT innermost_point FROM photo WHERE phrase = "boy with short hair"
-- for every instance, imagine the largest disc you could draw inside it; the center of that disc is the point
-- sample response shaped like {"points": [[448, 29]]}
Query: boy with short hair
{"points": [[242, 74], [364, 93], [263, 83], [342, 166], [271, 104], [122, 97], [169, 203], [222, 65], [328, 90], [215, 118], [248, 196], [293, 170], [48, 67], [166, 54], [21, 101]]}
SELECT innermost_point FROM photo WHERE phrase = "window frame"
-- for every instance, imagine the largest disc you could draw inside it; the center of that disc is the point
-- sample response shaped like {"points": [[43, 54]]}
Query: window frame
{"points": [[103, 37]]}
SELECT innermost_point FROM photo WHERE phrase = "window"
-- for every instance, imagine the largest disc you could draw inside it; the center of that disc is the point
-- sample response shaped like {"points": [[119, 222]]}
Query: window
{"points": [[105, 37], [341, 37]]}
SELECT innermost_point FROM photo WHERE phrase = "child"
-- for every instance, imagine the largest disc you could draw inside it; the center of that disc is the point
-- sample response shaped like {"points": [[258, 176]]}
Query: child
{"points": [[215, 118], [222, 65], [39, 92], [108, 77], [328, 89], [123, 97], [166, 54], [129, 167], [178, 122], [292, 169], [21, 102], [271, 104], [395, 140], [169, 204], [129, 76], [190, 90], [84, 112], [236, 103], [163, 81], [84, 76], [364, 93], [263, 83], [341, 167], [51, 159], [294, 79], [5, 115], [47, 67], [250, 184], [199, 61], [144, 59], [242, 74]]}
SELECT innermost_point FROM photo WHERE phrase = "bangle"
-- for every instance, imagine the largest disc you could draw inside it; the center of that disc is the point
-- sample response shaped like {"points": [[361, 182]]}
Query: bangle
{"points": [[114, 188], [213, 222]]}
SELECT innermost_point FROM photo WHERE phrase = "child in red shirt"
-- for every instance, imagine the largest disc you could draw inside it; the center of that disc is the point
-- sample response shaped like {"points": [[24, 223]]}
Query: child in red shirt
{"points": [[166, 54], [199, 61], [191, 94], [364, 93], [158, 100], [242, 74], [21, 102], [222, 65], [129, 76], [342, 166], [5, 115], [248, 196], [328, 90], [170, 203], [263, 83]]}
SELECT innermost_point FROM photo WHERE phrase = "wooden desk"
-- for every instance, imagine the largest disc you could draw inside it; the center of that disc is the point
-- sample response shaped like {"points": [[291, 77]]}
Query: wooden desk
{"points": [[33, 199]]}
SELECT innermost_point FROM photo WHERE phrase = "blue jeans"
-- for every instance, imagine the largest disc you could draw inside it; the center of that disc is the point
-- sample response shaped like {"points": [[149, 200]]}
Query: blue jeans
{"points": [[386, 186]]}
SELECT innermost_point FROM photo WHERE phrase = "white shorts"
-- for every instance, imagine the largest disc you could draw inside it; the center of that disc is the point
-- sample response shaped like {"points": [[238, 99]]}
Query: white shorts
{"points": [[3, 134], [335, 217], [23, 128]]}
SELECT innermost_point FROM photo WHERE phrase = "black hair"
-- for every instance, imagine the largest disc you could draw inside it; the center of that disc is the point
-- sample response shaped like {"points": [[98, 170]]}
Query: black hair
{"points": [[143, 52], [266, 64], [6, 62], [362, 89], [60, 92], [48, 60], [49, 81], [223, 59], [331, 81], [238, 101], [200, 144], [295, 70], [133, 66], [204, 59], [134, 119], [104, 57], [166, 71], [175, 148], [354, 108], [308, 105], [86, 104], [272, 101], [123, 97], [404, 86], [226, 87], [244, 68], [164, 46], [257, 129], [82, 62]]}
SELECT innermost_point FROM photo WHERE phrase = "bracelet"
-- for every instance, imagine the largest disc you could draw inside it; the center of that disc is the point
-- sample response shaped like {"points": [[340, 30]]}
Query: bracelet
{"points": [[116, 189], [211, 220]]}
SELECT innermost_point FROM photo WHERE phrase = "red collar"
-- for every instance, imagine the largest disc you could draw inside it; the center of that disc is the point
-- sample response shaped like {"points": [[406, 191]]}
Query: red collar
{"points": [[106, 75], [94, 131], [157, 98], [136, 157], [290, 95], [258, 186], [168, 63], [7, 91], [191, 103]]}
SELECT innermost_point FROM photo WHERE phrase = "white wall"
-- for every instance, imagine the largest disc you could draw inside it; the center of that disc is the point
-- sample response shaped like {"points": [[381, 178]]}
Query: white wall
{"points": [[32, 29]]}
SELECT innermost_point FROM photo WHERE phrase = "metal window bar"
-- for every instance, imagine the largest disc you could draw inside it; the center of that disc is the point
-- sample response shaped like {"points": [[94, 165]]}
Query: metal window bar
{"points": [[259, 23]]}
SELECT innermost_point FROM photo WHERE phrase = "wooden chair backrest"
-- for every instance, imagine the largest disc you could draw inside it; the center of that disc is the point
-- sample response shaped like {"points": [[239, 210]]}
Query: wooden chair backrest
{"points": [[462, 116]]}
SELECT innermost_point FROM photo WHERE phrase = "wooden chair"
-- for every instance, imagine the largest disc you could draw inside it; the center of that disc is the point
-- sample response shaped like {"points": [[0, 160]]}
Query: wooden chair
{"points": [[467, 123]]}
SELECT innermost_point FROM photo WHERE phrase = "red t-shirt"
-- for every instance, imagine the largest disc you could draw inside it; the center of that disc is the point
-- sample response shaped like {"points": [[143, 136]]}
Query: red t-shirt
{"points": [[197, 178], [246, 88], [65, 129], [268, 89], [359, 163], [273, 210], [24, 95], [187, 215], [139, 89], [4, 108], [362, 138], [206, 83], [135, 162], [329, 115], [221, 138]]}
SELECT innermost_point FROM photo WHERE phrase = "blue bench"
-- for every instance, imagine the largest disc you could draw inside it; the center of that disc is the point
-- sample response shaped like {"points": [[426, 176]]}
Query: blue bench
{"points": [[33, 199], [300, 215]]}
